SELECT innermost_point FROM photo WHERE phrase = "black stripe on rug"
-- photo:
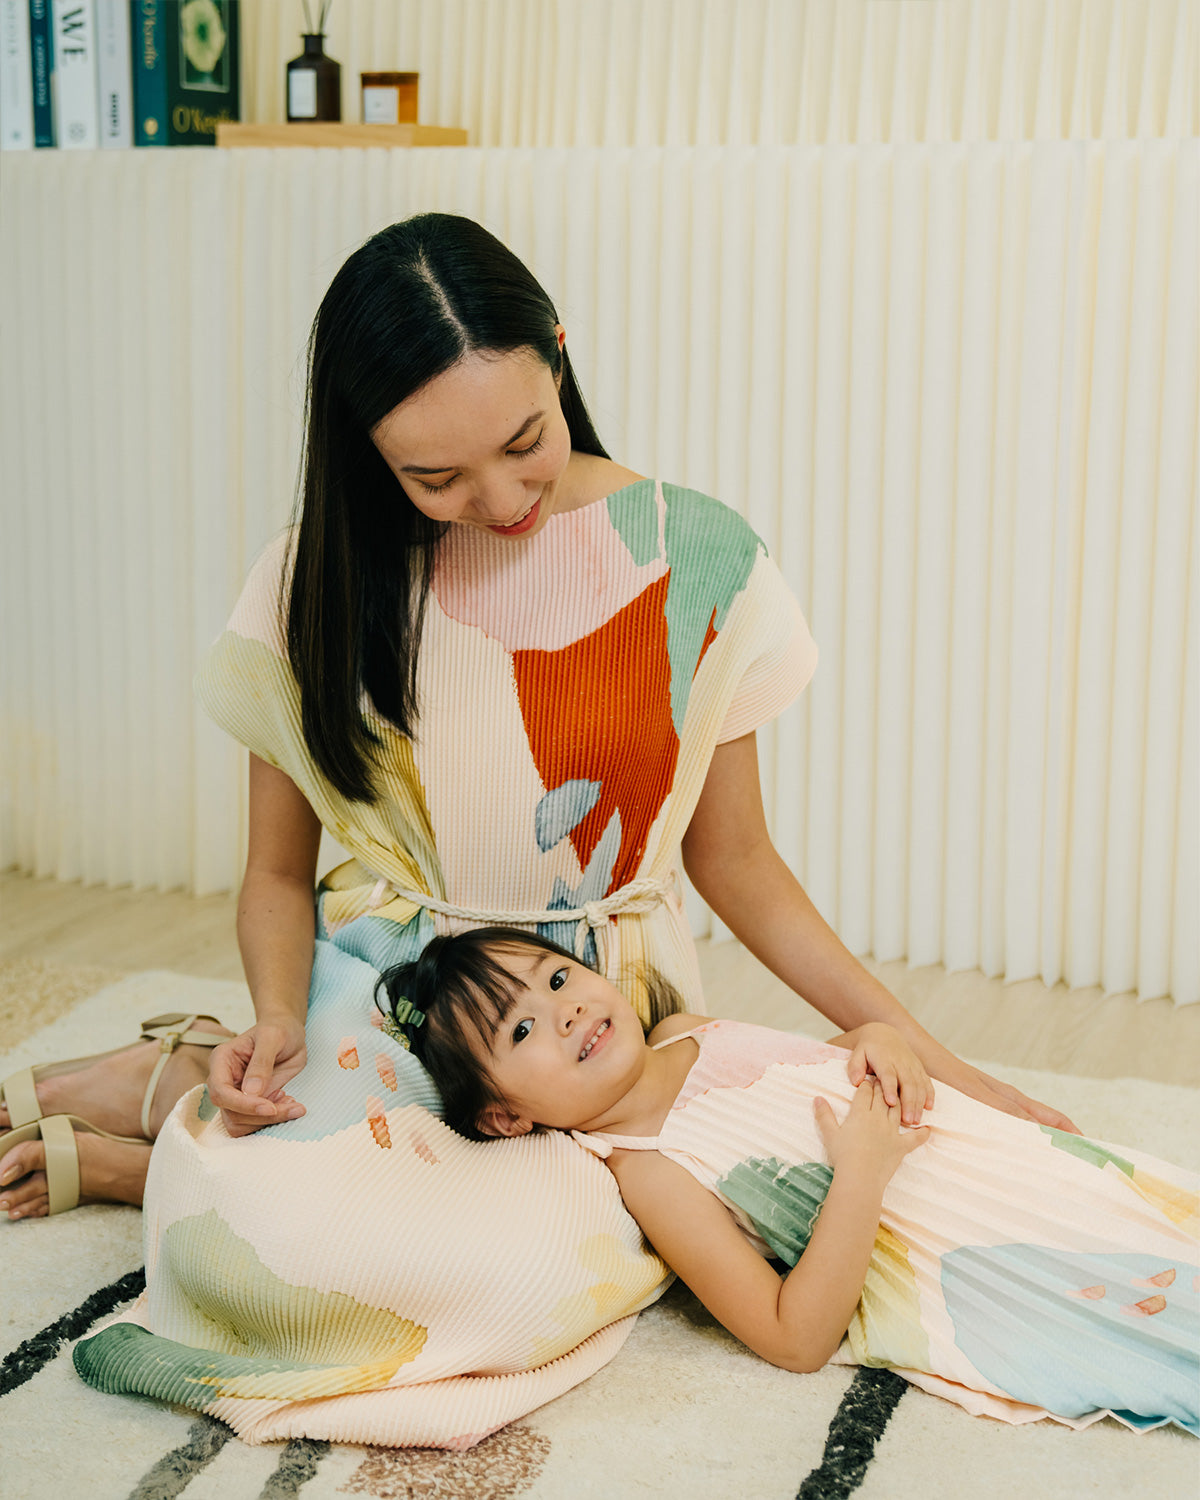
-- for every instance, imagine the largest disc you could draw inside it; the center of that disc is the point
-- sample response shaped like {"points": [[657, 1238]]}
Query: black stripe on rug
{"points": [[297, 1465], [40, 1348], [174, 1471], [857, 1426]]}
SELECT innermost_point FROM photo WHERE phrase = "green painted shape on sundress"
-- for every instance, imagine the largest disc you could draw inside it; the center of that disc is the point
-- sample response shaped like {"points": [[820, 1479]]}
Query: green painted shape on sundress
{"points": [[634, 517], [711, 552], [781, 1202], [1085, 1150], [250, 1333]]}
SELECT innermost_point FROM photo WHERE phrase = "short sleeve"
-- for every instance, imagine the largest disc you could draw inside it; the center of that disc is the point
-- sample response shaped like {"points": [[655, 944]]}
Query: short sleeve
{"points": [[785, 660]]}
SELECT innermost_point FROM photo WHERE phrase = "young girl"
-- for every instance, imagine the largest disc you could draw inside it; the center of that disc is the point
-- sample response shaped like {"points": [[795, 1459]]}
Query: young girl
{"points": [[1021, 1271]]}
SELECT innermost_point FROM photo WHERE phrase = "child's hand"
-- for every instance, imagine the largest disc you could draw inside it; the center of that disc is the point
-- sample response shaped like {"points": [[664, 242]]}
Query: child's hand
{"points": [[881, 1050], [868, 1140]]}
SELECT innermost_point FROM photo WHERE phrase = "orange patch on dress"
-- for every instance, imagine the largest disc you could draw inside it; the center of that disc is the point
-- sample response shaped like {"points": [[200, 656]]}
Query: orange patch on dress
{"points": [[1147, 1307], [377, 1120], [600, 710], [1092, 1293], [1164, 1278], [387, 1073], [347, 1053]]}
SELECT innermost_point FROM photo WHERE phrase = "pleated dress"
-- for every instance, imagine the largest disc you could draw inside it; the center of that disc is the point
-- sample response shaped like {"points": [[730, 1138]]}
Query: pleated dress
{"points": [[364, 1274], [1019, 1271]]}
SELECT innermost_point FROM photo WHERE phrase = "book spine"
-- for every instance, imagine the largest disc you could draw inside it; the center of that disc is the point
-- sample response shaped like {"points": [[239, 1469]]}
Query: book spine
{"points": [[41, 49], [203, 84], [149, 72], [114, 74], [75, 74], [16, 77]]}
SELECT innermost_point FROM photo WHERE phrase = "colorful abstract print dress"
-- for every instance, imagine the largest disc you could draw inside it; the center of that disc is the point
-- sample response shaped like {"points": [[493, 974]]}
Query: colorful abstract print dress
{"points": [[363, 1273], [1018, 1270]]}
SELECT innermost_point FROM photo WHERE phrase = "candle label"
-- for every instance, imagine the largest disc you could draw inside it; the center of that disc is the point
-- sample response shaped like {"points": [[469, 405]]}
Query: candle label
{"points": [[302, 94], [380, 105]]}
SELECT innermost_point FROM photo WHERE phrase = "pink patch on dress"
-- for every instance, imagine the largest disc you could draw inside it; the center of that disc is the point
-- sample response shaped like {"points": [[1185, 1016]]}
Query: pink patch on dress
{"points": [[1164, 1278], [423, 1150], [377, 1120], [1092, 1293], [347, 1053], [387, 1073], [1147, 1307], [729, 1058]]}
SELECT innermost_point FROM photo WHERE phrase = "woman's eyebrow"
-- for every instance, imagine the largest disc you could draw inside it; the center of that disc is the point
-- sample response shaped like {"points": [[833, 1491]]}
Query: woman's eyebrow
{"points": [[445, 468]]}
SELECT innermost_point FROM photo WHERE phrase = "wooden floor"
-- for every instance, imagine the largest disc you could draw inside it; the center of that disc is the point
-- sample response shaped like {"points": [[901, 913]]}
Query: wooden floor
{"points": [[1026, 1024]]}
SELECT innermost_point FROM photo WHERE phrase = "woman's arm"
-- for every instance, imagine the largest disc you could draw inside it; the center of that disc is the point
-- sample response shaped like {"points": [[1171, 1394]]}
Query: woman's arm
{"points": [[795, 1321], [275, 934], [730, 859]]}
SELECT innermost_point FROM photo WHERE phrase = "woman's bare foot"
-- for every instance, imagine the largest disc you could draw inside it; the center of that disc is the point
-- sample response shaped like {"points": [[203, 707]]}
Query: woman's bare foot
{"points": [[109, 1172], [108, 1090]]}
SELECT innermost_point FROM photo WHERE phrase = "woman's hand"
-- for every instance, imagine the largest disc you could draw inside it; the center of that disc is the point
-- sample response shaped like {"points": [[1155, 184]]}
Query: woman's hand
{"points": [[1002, 1096], [880, 1049], [868, 1142], [247, 1075]]}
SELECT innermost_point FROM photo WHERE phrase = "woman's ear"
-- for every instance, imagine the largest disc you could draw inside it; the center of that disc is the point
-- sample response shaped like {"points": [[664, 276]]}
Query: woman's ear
{"points": [[496, 1120]]}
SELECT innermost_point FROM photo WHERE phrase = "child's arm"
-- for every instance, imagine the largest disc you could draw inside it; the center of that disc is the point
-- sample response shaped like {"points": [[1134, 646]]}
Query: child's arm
{"points": [[881, 1050], [795, 1321]]}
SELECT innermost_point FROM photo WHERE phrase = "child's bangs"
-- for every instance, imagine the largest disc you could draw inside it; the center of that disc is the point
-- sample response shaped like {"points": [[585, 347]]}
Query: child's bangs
{"points": [[487, 992]]}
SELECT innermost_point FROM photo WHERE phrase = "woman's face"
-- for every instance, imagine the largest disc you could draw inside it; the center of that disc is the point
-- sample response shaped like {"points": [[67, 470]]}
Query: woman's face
{"points": [[483, 444]]}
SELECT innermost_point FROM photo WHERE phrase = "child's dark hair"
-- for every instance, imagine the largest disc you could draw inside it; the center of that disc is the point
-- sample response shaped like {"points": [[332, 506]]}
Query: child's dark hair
{"points": [[464, 991]]}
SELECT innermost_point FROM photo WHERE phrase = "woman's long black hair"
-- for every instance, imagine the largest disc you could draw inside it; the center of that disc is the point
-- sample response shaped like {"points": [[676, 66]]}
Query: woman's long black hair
{"points": [[405, 307]]}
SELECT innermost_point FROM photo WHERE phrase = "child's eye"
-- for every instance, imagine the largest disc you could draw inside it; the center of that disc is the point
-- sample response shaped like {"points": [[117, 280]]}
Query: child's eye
{"points": [[558, 979], [521, 1030]]}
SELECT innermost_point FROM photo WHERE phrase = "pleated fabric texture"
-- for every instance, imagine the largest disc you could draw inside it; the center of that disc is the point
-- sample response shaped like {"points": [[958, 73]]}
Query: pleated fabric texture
{"points": [[758, 72], [1018, 1271], [362, 1272], [954, 388]]}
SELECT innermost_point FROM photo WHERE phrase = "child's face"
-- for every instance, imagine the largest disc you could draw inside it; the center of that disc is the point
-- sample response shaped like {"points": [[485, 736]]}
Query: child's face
{"points": [[569, 1049]]}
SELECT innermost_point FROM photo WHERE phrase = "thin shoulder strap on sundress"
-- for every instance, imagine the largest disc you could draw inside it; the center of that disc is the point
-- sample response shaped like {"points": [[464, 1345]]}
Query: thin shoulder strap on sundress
{"points": [[679, 1036]]}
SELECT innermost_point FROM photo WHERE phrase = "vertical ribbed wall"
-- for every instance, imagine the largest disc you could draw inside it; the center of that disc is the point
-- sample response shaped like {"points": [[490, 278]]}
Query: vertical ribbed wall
{"points": [[954, 388]]}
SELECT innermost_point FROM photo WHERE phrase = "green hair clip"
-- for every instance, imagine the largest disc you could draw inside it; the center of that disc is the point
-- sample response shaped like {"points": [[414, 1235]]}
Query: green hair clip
{"points": [[407, 1014]]}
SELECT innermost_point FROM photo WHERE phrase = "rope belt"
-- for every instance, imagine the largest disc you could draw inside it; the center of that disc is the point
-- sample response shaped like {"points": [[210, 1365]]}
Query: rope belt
{"points": [[593, 916]]}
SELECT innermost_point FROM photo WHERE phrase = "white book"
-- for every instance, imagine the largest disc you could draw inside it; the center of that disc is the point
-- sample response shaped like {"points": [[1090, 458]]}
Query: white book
{"points": [[114, 73], [75, 101], [16, 77]]}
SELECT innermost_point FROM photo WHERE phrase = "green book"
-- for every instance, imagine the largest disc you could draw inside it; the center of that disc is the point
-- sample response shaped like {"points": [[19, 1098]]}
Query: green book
{"points": [[201, 46]]}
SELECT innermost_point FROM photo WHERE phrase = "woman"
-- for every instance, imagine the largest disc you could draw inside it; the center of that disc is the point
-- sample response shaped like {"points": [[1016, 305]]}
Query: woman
{"points": [[514, 679]]}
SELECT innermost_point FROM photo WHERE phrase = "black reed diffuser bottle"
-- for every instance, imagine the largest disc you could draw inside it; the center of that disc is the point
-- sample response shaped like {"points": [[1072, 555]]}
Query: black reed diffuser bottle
{"points": [[314, 81]]}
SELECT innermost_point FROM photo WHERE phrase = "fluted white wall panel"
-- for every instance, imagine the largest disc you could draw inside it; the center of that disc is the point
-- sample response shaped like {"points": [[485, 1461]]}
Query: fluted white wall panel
{"points": [[954, 388], [756, 72]]}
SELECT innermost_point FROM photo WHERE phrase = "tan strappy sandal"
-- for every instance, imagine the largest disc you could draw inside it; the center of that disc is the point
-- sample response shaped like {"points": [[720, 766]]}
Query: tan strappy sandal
{"points": [[19, 1090], [19, 1093]]}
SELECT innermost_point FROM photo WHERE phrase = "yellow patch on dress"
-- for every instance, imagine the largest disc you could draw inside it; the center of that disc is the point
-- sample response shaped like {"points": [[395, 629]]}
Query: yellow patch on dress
{"points": [[886, 1327]]}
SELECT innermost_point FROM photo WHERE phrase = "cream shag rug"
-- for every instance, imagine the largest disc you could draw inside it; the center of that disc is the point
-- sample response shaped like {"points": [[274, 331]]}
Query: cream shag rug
{"points": [[722, 1422]]}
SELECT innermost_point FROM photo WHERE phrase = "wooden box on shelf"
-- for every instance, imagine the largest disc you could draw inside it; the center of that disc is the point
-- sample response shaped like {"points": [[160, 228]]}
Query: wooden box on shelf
{"points": [[331, 133]]}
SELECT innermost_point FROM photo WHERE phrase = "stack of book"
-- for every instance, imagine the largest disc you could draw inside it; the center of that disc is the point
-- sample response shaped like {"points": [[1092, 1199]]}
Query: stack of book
{"points": [[84, 74]]}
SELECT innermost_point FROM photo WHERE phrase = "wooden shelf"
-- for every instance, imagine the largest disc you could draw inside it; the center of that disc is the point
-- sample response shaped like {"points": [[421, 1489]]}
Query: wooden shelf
{"points": [[302, 133]]}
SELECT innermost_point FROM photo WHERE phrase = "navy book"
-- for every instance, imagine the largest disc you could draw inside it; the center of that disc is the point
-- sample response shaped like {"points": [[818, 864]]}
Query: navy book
{"points": [[147, 33], [41, 45], [201, 46]]}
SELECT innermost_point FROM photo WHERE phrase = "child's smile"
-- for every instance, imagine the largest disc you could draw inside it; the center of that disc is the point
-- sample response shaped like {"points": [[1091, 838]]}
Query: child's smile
{"points": [[570, 1049]]}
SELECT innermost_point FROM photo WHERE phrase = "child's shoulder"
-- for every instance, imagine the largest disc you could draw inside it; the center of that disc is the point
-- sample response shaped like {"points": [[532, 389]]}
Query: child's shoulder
{"points": [[671, 1026]]}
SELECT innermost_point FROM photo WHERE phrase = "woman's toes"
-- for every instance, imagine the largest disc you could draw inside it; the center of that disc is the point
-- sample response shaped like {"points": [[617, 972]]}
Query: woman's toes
{"points": [[25, 1194]]}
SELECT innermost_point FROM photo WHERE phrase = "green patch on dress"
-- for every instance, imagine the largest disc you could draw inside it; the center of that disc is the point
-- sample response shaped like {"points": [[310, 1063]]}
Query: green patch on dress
{"points": [[781, 1202], [711, 552], [634, 517], [1085, 1150], [206, 1110], [243, 1331]]}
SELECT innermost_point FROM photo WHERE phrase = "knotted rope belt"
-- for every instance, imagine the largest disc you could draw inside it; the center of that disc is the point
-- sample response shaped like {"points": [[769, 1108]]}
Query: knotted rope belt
{"points": [[593, 916]]}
